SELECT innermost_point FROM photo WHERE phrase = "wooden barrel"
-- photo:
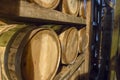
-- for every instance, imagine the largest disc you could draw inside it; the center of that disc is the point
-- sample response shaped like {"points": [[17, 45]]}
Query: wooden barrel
{"points": [[82, 11], [51, 4], [83, 40], [70, 7], [42, 53], [6, 33], [30, 53], [69, 43]]}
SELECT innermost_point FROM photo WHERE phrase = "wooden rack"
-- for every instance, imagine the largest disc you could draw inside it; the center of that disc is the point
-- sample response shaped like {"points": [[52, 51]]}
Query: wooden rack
{"points": [[22, 10], [32, 12]]}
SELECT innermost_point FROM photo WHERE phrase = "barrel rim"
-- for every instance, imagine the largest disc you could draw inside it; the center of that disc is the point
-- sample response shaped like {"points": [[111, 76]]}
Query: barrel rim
{"points": [[18, 69], [58, 46], [74, 30], [64, 43], [7, 51], [51, 6]]}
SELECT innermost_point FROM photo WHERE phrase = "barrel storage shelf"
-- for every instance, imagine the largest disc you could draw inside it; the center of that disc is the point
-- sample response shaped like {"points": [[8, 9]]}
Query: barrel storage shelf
{"points": [[29, 11], [26, 11]]}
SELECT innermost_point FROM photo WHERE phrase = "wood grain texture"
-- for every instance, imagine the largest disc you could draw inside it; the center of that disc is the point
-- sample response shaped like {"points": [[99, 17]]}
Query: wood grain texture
{"points": [[76, 75], [6, 33], [82, 11], [23, 9], [89, 34], [69, 43], [50, 4], [41, 56], [82, 71], [71, 69], [70, 7], [3, 75], [83, 40], [11, 65]]}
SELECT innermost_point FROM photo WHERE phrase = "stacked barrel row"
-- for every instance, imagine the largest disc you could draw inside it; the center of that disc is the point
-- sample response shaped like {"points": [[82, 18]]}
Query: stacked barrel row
{"points": [[30, 52], [72, 7]]}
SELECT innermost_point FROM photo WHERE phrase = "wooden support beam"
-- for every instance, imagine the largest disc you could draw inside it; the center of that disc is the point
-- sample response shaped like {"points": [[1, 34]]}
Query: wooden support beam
{"points": [[32, 12], [89, 35], [70, 70]]}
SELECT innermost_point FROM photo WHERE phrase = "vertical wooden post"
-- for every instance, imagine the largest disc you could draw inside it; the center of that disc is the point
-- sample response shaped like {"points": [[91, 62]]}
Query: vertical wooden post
{"points": [[88, 33]]}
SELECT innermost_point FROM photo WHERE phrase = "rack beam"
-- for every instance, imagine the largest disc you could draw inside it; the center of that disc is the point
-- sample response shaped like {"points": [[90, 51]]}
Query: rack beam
{"points": [[32, 12], [70, 70]]}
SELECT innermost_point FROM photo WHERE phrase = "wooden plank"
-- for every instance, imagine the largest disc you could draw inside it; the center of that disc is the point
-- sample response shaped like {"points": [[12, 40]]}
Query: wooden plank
{"points": [[70, 70], [25, 9], [89, 35]]}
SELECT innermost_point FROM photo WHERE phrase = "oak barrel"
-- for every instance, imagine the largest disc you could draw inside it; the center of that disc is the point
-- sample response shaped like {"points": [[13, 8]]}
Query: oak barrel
{"points": [[82, 9], [69, 43], [83, 40], [51, 4], [29, 52], [6, 33], [70, 7], [41, 56]]}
